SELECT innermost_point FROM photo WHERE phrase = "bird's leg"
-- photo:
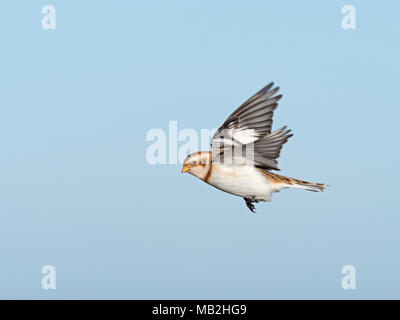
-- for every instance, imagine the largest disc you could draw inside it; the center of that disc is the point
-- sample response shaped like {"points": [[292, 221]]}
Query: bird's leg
{"points": [[249, 204]]}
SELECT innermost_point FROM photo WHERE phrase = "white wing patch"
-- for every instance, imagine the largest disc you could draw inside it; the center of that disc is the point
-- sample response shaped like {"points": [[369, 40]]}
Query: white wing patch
{"points": [[249, 128]]}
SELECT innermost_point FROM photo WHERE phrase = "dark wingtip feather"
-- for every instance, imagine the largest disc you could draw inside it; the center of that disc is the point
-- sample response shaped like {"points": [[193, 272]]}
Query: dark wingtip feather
{"points": [[267, 87]]}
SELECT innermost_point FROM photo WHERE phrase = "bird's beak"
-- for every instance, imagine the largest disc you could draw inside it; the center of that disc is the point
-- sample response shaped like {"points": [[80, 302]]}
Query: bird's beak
{"points": [[185, 168]]}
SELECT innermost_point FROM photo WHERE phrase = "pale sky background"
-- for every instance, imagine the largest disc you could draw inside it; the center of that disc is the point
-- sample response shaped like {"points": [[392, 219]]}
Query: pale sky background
{"points": [[76, 191]]}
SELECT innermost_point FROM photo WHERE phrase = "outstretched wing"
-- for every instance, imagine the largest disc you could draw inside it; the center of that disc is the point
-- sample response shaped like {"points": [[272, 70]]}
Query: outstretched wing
{"points": [[253, 116], [268, 149], [251, 124]]}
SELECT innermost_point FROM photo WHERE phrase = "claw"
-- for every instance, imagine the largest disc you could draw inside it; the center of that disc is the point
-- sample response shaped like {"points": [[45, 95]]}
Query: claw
{"points": [[250, 205]]}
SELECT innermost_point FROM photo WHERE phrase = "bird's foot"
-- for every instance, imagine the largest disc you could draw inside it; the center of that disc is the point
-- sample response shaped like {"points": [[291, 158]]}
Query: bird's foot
{"points": [[250, 205]]}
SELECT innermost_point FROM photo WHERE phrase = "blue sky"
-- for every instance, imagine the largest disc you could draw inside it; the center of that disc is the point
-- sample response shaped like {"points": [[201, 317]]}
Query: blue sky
{"points": [[77, 192]]}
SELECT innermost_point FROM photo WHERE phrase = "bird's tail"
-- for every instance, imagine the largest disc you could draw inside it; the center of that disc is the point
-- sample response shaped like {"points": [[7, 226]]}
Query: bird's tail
{"points": [[310, 186], [287, 182]]}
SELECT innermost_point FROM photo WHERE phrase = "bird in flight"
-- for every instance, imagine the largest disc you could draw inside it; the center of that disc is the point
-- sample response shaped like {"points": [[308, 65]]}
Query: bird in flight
{"points": [[244, 151]]}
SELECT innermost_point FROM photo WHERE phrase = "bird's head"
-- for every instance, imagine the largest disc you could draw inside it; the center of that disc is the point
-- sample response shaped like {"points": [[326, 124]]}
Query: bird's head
{"points": [[197, 164]]}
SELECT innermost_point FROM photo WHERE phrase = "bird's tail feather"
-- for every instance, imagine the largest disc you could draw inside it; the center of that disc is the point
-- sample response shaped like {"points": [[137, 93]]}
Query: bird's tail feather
{"points": [[310, 186], [287, 182]]}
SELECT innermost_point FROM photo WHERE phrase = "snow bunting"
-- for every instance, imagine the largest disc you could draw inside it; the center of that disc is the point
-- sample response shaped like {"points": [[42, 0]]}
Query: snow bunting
{"points": [[244, 151]]}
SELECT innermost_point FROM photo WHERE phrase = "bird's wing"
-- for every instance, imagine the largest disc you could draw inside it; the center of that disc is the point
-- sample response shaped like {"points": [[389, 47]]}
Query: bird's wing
{"points": [[268, 149], [255, 114], [250, 124]]}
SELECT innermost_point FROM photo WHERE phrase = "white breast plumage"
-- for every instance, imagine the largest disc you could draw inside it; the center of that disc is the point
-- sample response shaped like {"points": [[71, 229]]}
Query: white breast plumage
{"points": [[243, 181]]}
